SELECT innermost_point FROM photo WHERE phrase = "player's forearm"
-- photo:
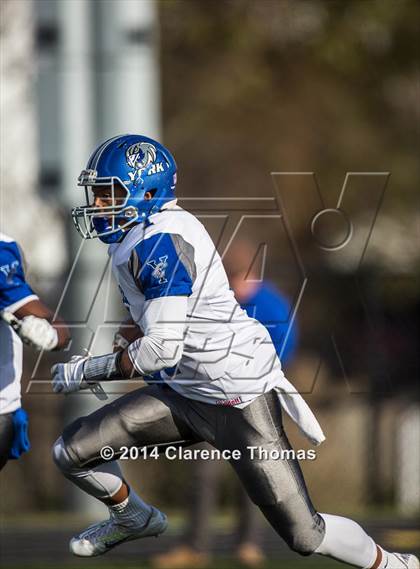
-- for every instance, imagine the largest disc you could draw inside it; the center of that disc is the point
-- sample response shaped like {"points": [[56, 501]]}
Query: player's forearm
{"points": [[126, 333], [161, 346], [109, 367], [36, 309], [142, 357], [154, 353], [63, 333], [127, 368]]}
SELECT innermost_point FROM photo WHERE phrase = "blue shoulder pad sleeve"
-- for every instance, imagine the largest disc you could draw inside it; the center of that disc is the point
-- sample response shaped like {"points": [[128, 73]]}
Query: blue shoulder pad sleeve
{"points": [[13, 286], [163, 265]]}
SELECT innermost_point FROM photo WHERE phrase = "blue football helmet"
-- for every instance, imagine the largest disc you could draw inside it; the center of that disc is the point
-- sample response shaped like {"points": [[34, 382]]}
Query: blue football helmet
{"points": [[134, 164]]}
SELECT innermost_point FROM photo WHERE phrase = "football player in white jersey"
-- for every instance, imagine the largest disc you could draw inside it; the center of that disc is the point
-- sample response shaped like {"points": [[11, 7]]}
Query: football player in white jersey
{"points": [[222, 379], [23, 317]]}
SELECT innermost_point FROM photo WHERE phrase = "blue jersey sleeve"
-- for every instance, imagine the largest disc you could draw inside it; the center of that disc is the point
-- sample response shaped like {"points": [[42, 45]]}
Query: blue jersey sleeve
{"points": [[13, 287], [163, 265]]}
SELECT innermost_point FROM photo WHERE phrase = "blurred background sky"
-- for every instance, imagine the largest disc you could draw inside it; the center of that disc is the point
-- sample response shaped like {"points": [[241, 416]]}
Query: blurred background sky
{"points": [[238, 90]]}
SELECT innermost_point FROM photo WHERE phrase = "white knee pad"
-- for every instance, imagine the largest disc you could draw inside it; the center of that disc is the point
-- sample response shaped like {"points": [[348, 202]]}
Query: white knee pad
{"points": [[102, 482]]}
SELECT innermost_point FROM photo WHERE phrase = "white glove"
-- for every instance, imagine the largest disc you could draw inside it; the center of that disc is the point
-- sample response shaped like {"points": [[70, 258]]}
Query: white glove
{"points": [[38, 332], [69, 377]]}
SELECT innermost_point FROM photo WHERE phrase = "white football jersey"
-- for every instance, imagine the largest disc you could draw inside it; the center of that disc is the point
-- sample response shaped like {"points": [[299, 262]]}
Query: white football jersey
{"points": [[228, 357]]}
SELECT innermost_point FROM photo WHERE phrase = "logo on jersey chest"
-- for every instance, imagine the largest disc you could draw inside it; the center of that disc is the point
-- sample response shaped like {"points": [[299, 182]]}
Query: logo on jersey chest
{"points": [[159, 268], [9, 271]]}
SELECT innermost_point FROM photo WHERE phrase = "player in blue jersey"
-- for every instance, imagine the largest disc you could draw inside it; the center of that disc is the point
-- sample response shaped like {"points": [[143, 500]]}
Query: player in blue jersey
{"points": [[223, 381], [23, 318]]}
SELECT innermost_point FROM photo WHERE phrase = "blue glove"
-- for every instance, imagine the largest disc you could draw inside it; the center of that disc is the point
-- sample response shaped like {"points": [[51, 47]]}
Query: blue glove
{"points": [[21, 442]]}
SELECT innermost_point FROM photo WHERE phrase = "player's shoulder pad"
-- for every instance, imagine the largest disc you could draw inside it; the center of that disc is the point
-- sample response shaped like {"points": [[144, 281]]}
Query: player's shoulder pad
{"points": [[6, 238], [163, 265], [10, 255], [13, 286]]}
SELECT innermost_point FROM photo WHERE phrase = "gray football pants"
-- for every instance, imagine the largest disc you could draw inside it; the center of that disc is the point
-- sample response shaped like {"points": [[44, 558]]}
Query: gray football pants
{"points": [[157, 416]]}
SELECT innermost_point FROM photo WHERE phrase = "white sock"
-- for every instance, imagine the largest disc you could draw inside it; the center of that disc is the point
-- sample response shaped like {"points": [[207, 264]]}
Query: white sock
{"points": [[346, 541], [132, 511]]}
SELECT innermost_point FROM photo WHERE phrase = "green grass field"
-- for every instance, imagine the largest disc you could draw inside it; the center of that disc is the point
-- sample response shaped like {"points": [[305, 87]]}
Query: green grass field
{"points": [[41, 543], [310, 563]]}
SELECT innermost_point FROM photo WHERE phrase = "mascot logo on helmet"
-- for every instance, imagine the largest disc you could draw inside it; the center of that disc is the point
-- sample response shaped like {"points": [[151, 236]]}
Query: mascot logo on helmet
{"points": [[139, 156]]}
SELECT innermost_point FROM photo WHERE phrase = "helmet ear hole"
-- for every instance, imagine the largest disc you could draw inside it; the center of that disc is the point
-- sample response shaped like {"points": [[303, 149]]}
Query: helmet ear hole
{"points": [[150, 193]]}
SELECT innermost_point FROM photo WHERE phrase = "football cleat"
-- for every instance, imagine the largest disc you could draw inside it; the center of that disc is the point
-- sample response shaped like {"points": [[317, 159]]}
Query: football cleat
{"points": [[402, 561], [103, 536]]}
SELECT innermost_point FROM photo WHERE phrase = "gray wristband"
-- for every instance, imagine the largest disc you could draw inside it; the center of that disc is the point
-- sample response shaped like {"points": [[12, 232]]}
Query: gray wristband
{"points": [[103, 368]]}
